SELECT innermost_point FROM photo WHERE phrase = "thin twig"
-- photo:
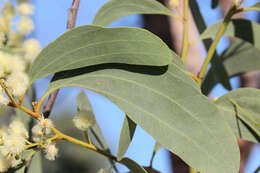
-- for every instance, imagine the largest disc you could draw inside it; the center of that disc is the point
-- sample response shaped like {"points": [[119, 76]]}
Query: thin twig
{"points": [[73, 11], [28, 163], [72, 16], [48, 106], [62, 136], [214, 44], [185, 42]]}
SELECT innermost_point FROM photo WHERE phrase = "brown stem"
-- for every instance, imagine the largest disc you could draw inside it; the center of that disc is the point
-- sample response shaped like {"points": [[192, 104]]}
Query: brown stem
{"points": [[73, 11], [72, 16]]}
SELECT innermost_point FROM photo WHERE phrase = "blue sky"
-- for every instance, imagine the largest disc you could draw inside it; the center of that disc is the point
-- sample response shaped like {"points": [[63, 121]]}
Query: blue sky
{"points": [[50, 20]]}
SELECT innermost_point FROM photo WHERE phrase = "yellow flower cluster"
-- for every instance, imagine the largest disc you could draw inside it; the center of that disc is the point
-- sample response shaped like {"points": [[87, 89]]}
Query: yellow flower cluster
{"points": [[42, 129], [16, 56], [13, 141], [12, 145], [41, 132], [16, 53]]}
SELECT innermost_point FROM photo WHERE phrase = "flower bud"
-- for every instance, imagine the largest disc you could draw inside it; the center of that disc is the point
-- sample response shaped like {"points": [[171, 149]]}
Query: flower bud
{"points": [[25, 26], [51, 152], [26, 9], [84, 119]]}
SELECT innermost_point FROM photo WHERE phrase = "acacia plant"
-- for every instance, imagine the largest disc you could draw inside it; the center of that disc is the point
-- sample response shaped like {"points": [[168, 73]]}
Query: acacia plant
{"points": [[138, 72]]}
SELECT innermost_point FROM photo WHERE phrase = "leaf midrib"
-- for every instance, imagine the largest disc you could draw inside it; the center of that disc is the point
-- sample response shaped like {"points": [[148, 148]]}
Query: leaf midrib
{"points": [[153, 90], [178, 131]]}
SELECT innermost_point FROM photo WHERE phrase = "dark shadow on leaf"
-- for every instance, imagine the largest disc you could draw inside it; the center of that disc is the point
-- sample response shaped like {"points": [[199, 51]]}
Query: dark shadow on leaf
{"points": [[149, 70], [244, 30], [211, 79]]}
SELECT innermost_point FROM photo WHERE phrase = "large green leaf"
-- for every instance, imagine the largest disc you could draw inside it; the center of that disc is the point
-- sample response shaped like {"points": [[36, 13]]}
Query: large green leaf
{"points": [[126, 135], [240, 28], [241, 109], [240, 57], [115, 9], [91, 45], [168, 105]]}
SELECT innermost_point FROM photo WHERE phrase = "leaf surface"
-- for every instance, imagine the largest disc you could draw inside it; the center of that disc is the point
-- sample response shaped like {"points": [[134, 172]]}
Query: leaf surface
{"points": [[126, 135], [237, 28], [239, 58], [91, 45], [34, 161], [241, 110], [167, 104], [132, 165], [115, 9]]}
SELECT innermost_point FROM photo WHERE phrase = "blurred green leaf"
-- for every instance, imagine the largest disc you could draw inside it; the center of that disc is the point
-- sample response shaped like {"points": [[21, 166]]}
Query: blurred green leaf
{"points": [[84, 104], [132, 165], [239, 58], [240, 108], [168, 104], [241, 28], [91, 45], [151, 170], [115, 9], [256, 6], [126, 135], [32, 163], [36, 164]]}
